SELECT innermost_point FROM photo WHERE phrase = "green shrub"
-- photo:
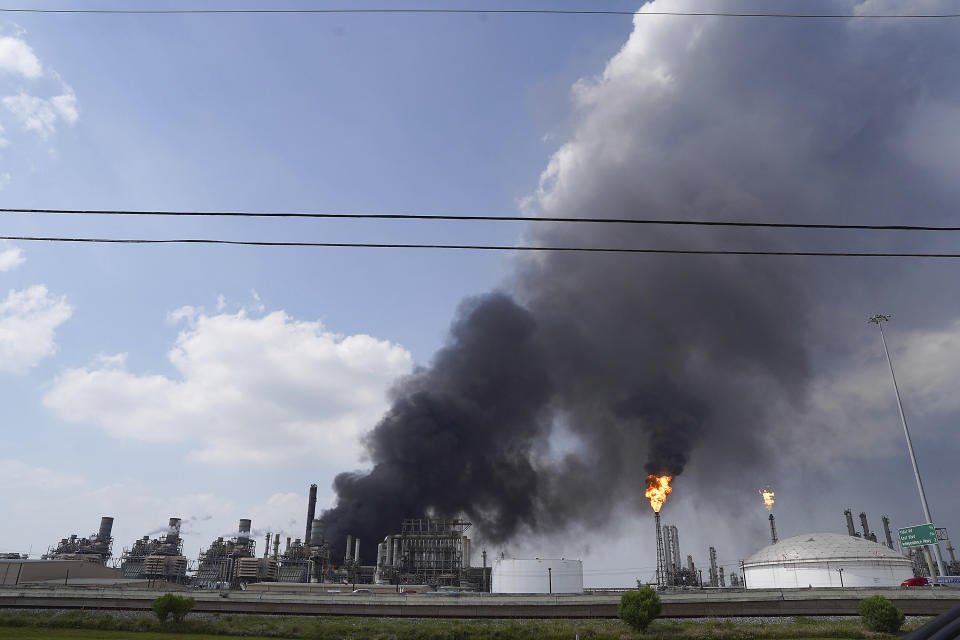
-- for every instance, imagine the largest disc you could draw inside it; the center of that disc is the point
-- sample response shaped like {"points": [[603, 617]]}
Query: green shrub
{"points": [[879, 614], [639, 608], [169, 605]]}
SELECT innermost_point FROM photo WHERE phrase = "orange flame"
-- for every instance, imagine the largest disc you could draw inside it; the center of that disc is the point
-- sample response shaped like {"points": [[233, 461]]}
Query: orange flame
{"points": [[767, 493], [658, 488]]}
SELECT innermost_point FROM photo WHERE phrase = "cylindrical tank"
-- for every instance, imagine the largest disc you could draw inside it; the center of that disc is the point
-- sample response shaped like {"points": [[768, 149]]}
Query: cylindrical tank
{"points": [[537, 575], [816, 559], [311, 511], [106, 528], [244, 529], [388, 560], [316, 532]]}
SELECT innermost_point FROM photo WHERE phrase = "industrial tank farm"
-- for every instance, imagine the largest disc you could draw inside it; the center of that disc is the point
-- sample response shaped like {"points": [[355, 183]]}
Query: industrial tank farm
{"points": [[825, 560]]}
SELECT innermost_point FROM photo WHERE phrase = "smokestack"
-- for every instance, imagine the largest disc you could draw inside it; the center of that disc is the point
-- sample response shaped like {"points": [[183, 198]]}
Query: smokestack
{"points": [[886, 531], [851, 530], [466, 552], [714, 576], [244, 529], [287, 548], [106, 528], [173, 528], [773, 530], [266, 545], [316, 532], [356, 550], [661, 561], [866, 528], [723, 582], [690, 564], [276, 545], [348, 555], [311, 511]]}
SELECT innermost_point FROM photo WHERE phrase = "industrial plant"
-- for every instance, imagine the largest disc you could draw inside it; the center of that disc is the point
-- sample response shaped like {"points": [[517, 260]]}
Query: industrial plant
{"points": [[434, 554], [159, 559]]}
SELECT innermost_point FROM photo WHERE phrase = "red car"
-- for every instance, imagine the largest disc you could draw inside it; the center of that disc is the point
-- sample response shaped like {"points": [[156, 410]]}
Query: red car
{"points": [[915, 582]]}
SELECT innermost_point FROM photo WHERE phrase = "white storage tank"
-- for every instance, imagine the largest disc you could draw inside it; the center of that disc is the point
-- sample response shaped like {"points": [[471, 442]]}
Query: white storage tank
{"points": [[816, 560], [536, 575]]}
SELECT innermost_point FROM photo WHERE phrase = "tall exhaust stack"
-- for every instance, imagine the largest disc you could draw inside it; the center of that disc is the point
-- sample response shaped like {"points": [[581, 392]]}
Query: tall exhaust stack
{"points": [[773, 530], [886, 531], [311, 512], [244, 529], [866, 528], [316, 532], [106, 529], [276, 545], [356, 550], [851, 530], [173, 528], [661, 560], [349, 554]]}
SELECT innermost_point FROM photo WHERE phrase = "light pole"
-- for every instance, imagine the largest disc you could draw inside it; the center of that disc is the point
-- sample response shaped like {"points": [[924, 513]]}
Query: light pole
{"points": [[878, 320], [841, 576]]}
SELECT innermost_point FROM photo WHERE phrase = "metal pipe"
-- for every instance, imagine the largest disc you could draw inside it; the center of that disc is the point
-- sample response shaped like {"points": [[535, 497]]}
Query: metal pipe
{"points": [[864, 525], [311, 511], [886, 530], [879, 320], [851, 530]]}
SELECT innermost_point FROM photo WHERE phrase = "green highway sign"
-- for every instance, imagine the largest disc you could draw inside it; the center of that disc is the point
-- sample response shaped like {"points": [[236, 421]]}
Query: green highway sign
{"points": [[918, 535]]}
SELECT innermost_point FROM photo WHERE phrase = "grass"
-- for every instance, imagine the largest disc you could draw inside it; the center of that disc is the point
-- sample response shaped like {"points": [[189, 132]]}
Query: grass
{"points": [[11, 633], [40, 625]]}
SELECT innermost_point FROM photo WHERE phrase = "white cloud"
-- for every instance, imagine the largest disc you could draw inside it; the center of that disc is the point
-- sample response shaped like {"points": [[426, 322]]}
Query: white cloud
{"points": [[16, 475], [16, 56], [28, 320], [266, 390], [66, 106], [10, 257], [36, 114]]}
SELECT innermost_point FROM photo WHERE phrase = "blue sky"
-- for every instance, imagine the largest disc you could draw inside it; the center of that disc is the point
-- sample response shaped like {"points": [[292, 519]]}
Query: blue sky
{"points": [[204, 382]]}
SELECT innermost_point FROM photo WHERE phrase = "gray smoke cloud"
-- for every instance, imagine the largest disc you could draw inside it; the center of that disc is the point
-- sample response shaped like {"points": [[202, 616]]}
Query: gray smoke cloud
{"points": [[644, 364]]}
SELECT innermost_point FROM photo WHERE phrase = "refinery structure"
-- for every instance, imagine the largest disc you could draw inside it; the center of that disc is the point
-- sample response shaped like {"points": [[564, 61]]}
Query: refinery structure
{"points": [[434, 554]]}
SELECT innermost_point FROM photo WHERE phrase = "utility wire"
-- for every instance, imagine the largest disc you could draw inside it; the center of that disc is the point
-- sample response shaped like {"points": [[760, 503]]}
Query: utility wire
{"points": [[480, 247], [572, 12], [425, 216]]}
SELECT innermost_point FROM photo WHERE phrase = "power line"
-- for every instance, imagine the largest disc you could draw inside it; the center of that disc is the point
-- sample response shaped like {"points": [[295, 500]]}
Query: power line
{"points": [[480, 247], [570, 12], [455, 217]]}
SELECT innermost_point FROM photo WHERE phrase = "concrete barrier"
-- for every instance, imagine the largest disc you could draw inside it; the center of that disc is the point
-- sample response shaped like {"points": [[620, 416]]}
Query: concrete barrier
{"points": [[800, 602]]}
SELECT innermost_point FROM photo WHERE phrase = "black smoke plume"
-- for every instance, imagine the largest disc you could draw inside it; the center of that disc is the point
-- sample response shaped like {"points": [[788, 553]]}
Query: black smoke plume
{"points": [[552, 402]]}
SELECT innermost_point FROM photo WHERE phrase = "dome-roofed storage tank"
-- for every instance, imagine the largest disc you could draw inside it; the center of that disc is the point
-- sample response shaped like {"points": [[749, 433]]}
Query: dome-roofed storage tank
{"points": [[537, 575], [825, 560]]}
